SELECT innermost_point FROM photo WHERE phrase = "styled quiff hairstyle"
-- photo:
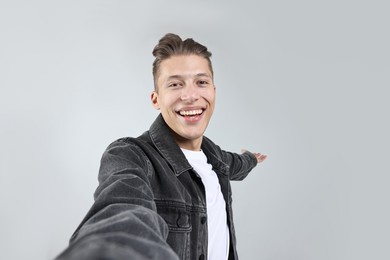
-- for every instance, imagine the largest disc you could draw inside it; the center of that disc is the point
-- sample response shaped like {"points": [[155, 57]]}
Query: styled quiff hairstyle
{"points": [[172, 45]]}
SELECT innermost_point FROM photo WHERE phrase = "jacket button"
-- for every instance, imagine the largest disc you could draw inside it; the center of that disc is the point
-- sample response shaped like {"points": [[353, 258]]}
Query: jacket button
{"points": [[203, 220], [183, 221], [201, 257]]}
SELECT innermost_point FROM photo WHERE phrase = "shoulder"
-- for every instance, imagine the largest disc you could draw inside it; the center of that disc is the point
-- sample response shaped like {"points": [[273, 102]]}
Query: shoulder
{"points": [[131, 142], [130, 148], [124, 153]]}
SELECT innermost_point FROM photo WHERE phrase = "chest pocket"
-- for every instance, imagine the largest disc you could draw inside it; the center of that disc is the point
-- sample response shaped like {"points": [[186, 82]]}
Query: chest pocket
{"points": [[178, 219]]}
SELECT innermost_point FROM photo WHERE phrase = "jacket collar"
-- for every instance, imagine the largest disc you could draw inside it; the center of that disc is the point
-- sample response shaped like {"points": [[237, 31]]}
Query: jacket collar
{"points": [[211, 150], [162, 138]]}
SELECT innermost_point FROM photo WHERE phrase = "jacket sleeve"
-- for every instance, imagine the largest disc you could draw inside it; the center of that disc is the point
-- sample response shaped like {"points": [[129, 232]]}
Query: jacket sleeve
{"points": [[240, 165], [123, 222]]}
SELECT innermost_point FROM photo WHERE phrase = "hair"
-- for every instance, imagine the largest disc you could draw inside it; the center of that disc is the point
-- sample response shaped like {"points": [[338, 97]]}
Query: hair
{"points": [[172, 45]]}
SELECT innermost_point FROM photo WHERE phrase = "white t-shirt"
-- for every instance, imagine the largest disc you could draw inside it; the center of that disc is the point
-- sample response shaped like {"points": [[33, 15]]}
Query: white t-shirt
{"points": [[218, 231]]}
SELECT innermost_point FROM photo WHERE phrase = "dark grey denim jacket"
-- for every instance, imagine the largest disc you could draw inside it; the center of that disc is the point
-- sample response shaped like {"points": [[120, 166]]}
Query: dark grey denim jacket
{"points": [[150, 203]]}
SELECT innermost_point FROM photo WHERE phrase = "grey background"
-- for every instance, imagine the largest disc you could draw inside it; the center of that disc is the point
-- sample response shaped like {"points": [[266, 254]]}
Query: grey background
{"points": [[305, 82]]}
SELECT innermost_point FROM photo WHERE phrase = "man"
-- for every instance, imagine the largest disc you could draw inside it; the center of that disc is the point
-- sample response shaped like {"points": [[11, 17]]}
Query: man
{"points": [[166, 194]]}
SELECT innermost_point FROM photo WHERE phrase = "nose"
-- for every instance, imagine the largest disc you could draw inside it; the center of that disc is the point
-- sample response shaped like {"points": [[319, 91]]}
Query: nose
{"points": [[190, 93]]}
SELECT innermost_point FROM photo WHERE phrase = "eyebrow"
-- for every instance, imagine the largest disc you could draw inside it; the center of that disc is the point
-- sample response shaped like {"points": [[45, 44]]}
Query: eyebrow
{"points": [[196, 76], [203, 75]]}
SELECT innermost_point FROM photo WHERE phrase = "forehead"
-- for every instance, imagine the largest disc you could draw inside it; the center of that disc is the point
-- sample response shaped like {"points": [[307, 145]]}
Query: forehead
{"points": [[184, 65]]}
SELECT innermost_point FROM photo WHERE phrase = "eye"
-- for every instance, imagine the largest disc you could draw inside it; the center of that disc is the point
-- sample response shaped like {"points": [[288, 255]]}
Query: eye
{"points": [[174, 85], [203, 82]]}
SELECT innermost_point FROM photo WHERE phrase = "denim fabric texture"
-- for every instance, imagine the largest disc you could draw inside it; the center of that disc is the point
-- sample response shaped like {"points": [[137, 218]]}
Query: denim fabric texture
{"points": [[150, 203]]}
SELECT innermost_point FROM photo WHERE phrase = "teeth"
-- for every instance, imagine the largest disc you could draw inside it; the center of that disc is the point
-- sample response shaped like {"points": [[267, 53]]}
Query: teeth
{"points": [[191, 112]]}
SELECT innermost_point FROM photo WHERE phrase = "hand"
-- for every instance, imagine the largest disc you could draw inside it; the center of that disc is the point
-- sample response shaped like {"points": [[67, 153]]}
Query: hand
{"points": [[260, 157]]}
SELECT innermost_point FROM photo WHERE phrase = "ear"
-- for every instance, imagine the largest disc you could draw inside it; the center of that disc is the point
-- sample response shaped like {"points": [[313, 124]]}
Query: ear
{"points": [[154, 99]]}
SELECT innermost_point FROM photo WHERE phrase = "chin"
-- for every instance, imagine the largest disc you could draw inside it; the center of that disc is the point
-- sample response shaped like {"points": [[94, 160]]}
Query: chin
{"points": [[192, 136]]}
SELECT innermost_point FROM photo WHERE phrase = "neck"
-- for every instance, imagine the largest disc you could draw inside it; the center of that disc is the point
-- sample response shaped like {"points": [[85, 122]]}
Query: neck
{"points": [[192, 145]]}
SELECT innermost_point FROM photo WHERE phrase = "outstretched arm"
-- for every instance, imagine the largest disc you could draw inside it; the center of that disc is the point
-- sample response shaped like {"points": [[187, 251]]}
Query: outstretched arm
{"points": [[123, 222], [242, 164], [239, 164]]}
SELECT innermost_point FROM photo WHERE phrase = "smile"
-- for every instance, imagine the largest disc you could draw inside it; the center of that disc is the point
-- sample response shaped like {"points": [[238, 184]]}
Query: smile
{"points": [[195, 112]]}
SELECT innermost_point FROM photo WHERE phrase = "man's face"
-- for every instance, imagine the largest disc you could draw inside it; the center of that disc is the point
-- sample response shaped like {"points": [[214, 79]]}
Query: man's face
{"points": [[186, 97]]}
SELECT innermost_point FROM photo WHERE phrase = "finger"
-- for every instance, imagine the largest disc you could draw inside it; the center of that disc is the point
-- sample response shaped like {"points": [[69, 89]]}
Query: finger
{"points": [[263, 157]]}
